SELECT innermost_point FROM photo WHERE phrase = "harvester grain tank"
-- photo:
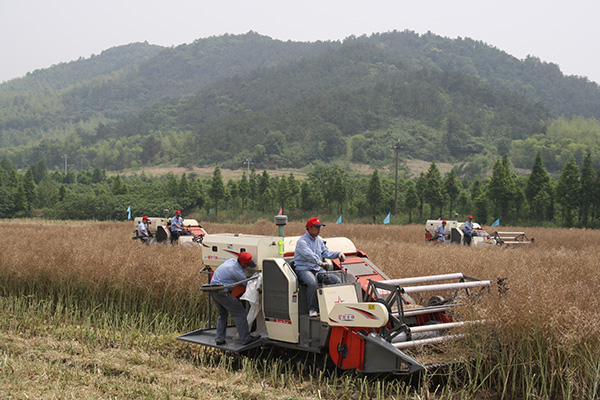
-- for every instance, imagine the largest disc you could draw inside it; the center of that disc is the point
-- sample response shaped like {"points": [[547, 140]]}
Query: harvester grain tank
{"points": [[365, 323]]}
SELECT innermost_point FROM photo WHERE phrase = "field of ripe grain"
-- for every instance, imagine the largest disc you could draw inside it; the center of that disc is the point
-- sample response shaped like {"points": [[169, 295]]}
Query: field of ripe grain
{"points": [[86, 312]]}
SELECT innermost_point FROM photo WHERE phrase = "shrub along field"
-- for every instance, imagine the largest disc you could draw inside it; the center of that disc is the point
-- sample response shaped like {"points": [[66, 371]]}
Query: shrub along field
{"points": [[86, 312]]}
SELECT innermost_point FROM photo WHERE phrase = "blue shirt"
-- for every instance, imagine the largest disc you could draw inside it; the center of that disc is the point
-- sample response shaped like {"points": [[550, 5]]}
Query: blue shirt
{"points": [[142, 229], [441, 230], [230, 272], [176, 220], [468, 226], [309, 253]]}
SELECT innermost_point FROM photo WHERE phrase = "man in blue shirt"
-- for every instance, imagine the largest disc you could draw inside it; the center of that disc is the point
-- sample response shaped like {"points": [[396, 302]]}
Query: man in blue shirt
{"points": [[228, 273], [176, 226], [441, 233], [468, 231], [143, 233], [309, 264]]}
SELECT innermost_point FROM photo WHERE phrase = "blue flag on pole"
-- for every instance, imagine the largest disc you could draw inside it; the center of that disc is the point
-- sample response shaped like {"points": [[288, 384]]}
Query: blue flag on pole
{"points": [[496, 222], [129, 212], [339, 221], [387, 219]]}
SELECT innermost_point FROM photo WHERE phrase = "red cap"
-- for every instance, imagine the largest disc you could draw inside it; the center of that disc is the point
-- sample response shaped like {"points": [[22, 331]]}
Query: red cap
{"points": [[245, 258], [444, 221], [145, 218], [470, 217], [314, 222], [177, 212]]}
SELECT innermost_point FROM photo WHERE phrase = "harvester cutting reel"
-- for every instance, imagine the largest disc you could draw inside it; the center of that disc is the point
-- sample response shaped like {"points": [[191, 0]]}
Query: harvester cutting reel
{"points": [[411, 325]]}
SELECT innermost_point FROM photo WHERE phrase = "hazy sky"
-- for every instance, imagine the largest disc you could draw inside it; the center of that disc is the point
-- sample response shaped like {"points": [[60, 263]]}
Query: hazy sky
{"points": [[36, 34]]}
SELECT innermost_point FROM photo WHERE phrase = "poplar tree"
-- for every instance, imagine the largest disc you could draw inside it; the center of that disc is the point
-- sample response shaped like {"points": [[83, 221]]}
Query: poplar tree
{"points": [[433, 189], [568, 191], [501, 188], [538, 190], [411, 199], [375, 195], [588, 189], [217, 189], [452, 188], [244, 189]]}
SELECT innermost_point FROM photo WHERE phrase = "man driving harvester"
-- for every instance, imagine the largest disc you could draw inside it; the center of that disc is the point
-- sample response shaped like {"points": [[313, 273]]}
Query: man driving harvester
{"points": [[310, 265]]}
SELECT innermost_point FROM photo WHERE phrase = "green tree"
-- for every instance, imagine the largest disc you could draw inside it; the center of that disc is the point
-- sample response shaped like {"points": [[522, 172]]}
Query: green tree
{"points": [[39, 170], [452, 187], [481, 208], [375, 195], [420, 188], [264, 182], [98, 175], [339, 192], [172, 186], [118, 186], [19, 201], [433, 189], [411, 199], [29, 187], [244, 190], [588, 185], [538, 190], [501, 188], [568, 190], [294, 185], [62, 192], [283, 193], [184, 186], [309, 197], [217, 189]]}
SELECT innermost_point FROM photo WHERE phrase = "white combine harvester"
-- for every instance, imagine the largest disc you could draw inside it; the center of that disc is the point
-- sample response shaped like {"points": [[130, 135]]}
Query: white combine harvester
{"points": [[455, 234], [158, 227], [369, 322]]}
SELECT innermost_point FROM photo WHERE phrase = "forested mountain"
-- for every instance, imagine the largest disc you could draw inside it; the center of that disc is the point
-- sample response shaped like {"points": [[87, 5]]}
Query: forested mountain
{"points": [[223, 99]]}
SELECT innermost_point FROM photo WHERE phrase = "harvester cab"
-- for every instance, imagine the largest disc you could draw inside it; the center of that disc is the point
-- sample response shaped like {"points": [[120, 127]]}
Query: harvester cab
{"points": [[193, 232], [366, 323]]}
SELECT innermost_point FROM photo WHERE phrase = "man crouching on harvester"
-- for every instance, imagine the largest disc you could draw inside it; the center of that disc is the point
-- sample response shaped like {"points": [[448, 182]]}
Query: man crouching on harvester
{"points": [[228, 273], [310, 265]]}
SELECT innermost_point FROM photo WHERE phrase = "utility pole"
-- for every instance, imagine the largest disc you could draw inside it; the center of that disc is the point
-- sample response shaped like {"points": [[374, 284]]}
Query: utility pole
{"points": [[248, 162], [396, 148], [66, 157]]}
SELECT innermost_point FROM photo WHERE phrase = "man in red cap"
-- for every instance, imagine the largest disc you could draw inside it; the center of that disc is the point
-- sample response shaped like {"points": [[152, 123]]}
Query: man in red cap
{"points": [[310, 265], [143, 233], [230, 273], [468, 231], [441, 232], [176, 226]]}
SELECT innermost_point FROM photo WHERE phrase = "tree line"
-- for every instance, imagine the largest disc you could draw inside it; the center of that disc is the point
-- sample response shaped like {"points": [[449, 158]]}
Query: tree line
{"points": [[328, 190]]}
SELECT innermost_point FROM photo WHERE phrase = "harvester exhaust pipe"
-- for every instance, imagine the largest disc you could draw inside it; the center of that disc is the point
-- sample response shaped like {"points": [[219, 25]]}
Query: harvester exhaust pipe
{"points": [[281, 222]]}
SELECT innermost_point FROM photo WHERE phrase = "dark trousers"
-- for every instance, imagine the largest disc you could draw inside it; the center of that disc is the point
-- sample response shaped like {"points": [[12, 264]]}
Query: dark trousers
{"points": [[227, 304], [175, 236], [310, 278], [467, 239]]}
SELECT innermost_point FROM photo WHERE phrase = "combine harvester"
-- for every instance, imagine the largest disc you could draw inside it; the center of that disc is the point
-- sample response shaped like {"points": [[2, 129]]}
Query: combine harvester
{"points": [[367, 323], [455, 235], [193, 233]]}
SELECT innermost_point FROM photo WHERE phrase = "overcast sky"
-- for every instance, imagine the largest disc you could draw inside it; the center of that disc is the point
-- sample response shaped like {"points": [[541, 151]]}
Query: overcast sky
{"points": [[36, 34]]}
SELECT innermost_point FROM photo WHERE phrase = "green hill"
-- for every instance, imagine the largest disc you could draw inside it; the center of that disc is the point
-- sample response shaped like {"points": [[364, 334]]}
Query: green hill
{"points": [[223, 99]]}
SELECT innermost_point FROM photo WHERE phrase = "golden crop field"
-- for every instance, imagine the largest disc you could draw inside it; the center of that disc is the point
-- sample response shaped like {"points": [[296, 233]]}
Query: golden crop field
{"points": [[86, 312]]}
